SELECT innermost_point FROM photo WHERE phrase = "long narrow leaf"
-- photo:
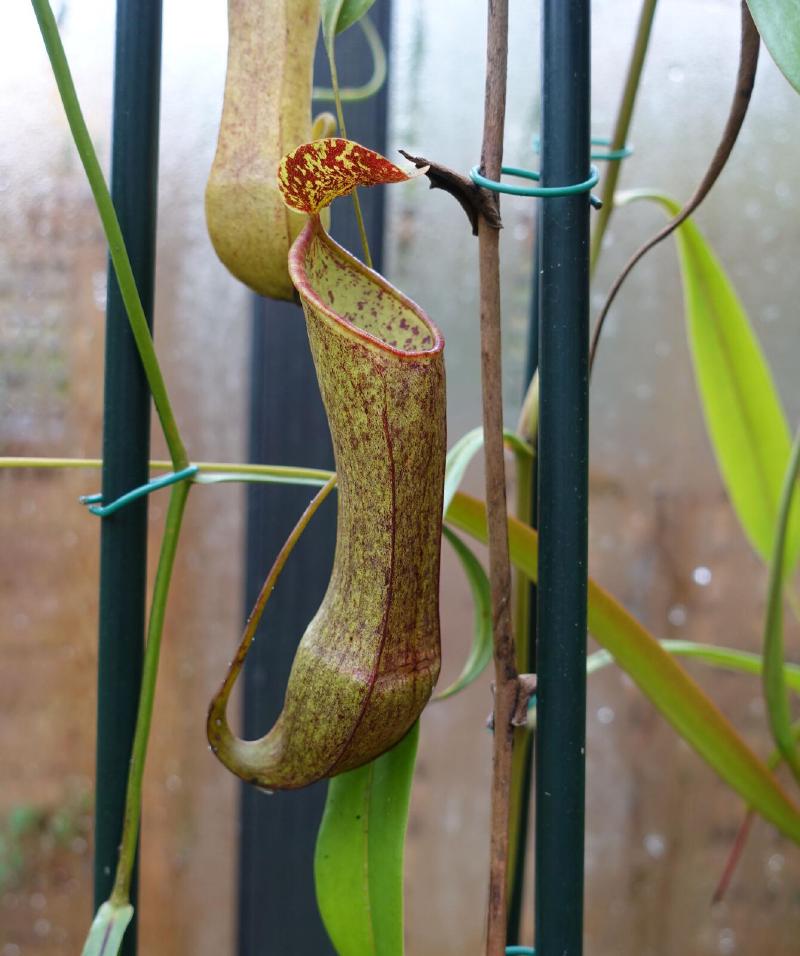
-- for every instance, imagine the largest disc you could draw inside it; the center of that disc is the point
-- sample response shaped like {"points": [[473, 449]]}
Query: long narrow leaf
{"points": [[726, 658], [778, 22], [481, 651], [465, 449], [775, 690], [744, 416], [663, 681], [358, 865]]}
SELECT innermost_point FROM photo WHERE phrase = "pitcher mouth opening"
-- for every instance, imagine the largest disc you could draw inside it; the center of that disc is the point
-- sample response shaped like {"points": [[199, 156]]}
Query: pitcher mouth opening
{"points": [[358, 299]]}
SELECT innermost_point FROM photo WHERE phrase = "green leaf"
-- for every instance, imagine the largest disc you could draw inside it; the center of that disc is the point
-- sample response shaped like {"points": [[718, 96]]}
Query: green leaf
{"points": [[681, 701], [481, 651], [352, 11], [775, 684], [457, 462], [727, 658], [778, 22], [744, 416], [338, 15], [465, 449], [358, 865], [107, 930]]}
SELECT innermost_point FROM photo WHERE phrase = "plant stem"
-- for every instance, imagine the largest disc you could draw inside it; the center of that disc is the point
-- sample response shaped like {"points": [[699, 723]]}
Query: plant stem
{"points": [[748, 63], [522, 757], [329, 47], [776, 694], [133, 799], [354, 94], [506, 684], [244, 472], [622, 126], [113, 233], [736, 850]]}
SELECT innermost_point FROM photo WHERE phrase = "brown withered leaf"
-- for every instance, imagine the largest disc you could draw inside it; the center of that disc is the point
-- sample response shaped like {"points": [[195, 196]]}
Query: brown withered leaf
{"points": [[474, 201]]}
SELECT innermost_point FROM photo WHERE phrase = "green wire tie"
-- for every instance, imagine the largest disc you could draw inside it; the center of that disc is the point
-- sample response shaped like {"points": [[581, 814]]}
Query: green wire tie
{"points": [[520, 951], [608, 156], [103, 511], [538, 191]]}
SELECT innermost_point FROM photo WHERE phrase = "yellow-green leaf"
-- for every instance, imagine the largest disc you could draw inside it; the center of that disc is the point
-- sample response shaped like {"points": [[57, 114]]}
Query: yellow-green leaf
{"points": [[481, 651], [727, 658], [358, 865], [680, 700], [775, 684], [744, 416], [465, 449]]}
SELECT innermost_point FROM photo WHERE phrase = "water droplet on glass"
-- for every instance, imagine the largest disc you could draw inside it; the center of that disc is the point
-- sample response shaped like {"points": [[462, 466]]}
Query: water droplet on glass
{"points": [[173, 783], [676, 73], [186, 670], [42, 927], [677, 615], [107, 870], [655, 845], [21, 621], [99, 289], [37, 901], [11, 949], [605, 715], [702, 576], [78, 845], [752, 209], [269, 793], [783, 190], [727, 942], [775, 863]]}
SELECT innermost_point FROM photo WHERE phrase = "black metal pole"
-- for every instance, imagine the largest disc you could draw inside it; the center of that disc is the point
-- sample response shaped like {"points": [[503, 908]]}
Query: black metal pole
{"points": [[277, 905], [126, 431], [563, 482]]}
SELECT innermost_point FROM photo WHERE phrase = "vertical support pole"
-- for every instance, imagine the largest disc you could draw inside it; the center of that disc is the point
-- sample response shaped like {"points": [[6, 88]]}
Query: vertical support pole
{"points": [[563, 482], [277, 905], [126, 431]]}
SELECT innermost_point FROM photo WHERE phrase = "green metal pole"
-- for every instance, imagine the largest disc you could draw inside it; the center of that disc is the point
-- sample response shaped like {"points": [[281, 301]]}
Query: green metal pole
{"points": [[126, 431], [563, 482]]}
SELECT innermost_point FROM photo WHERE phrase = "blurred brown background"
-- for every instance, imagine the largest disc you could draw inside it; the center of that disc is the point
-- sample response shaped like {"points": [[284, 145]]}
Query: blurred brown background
{"points": [[663, 537]]}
